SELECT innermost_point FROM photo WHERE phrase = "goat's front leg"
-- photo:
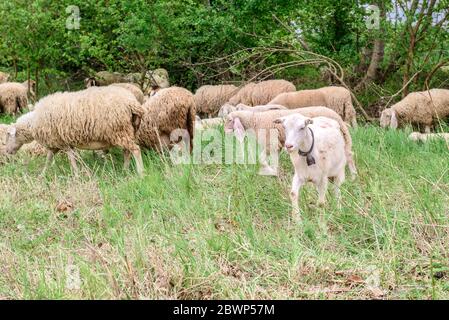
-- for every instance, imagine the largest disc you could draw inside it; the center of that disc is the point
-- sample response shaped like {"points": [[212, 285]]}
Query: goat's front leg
{"points": [[296, 185], [322, 188]]}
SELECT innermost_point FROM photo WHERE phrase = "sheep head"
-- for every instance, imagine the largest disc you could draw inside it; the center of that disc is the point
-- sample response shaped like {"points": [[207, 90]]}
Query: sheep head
{"points": [[388, 118], [14, 140], [234, 125]]}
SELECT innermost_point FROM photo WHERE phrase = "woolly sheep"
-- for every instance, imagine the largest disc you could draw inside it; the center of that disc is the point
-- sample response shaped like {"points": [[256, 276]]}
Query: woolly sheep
{"points": [[169, 110], [335, 98], [14, 97], [423, 108], [209, 99], [4, 77], [239, 121], [317, 152], [133, 88], [228, 108], [97, 118], [423, 137], [253, 94]]}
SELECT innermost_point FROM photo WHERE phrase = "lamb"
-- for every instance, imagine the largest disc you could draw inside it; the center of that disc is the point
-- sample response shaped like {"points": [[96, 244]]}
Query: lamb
{"points": [[317, 152], [14, 96], [239, 121], [170, 110], [423, 108], [335, 98], [228, 108], [4, 77], [209, 99], [253, 94], [97, 118], [133, 88], [423, 137]]}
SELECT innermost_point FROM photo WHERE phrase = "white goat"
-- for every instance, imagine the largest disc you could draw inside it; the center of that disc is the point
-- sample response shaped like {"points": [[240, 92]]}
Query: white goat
{"points": [[317, 151]]}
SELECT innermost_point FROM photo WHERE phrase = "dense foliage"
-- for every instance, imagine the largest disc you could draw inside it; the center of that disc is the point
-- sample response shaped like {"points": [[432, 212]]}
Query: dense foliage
{"points": [[44, 39]]}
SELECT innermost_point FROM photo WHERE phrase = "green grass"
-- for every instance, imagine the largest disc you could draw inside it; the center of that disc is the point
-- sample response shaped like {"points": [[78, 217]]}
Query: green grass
{"points": [[222, 231]]}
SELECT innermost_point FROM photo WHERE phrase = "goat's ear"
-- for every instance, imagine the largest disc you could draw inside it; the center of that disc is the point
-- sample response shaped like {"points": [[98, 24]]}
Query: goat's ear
{"points": [[394, 120], [308, 121], [239, 130]]}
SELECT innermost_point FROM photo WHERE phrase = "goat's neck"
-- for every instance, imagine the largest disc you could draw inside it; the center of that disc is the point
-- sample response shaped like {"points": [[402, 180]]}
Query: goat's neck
{"points": [[306, 140]]}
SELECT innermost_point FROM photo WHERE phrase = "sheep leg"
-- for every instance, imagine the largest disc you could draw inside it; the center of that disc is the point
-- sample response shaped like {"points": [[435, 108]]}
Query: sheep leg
{"points": [[137, 155], [72, 157], [322, 188], [127, 159], [296, 185], [50, 155], [427, 129]]}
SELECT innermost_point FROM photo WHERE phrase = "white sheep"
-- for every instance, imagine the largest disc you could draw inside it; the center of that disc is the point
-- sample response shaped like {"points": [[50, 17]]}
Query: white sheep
{"points": [[423, 108], [97, 118], [228, 108], [424, 137], [336, 98], [317, 152]]}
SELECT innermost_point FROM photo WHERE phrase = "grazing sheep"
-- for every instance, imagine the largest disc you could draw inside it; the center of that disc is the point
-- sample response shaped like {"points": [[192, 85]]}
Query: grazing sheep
{"points": [[133, 88], [228, 108], [239, 121], [169, 110], [14, 96], [317, 151], [209, 99], [4, 77], [254, 94], [423, 137], [423, 108], [97, 118], [201, 124], [335, 98]]}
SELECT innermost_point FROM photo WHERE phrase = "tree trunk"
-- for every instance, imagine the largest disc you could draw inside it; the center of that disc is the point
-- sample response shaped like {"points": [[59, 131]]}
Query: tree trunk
{"points": [[377, 57]]}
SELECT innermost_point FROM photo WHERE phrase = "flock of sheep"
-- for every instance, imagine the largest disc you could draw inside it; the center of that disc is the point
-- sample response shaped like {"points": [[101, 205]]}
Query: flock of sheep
{"points": [[115, 111]]}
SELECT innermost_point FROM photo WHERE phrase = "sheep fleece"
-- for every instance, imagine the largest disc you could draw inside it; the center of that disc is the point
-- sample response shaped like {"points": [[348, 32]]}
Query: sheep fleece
{"points": [[100, 115], [423, 107], [13, 97], [209, 99], [171, 108], [253, 94]]}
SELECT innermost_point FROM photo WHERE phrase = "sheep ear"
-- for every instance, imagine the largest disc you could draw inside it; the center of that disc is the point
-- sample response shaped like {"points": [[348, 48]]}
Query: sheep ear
{"points": [[12, 131], [308, 121], [394, 121], [239, 130], [278, 121]]}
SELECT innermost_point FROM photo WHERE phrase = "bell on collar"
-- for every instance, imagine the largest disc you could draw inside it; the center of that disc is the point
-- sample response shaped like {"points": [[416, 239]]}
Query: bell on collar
{"points": [[310, 160]]}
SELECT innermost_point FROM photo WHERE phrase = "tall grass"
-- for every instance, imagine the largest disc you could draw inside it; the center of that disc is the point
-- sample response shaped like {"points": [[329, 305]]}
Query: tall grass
{"points": [[222, 231]]}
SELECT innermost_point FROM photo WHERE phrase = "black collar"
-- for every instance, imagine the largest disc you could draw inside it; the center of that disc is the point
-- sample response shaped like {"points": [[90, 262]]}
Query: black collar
{"points": [[309, 157]]}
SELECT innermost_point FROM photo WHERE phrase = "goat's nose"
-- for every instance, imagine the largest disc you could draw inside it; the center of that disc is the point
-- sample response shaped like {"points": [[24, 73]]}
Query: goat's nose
{"points": [[288, 146]]}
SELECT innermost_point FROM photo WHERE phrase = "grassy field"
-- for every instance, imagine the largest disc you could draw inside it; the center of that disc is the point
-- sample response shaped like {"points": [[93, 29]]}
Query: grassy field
{"points": [[222, 231]]}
